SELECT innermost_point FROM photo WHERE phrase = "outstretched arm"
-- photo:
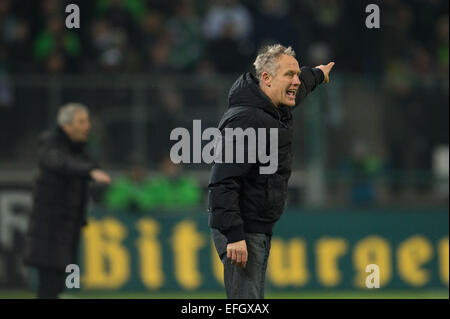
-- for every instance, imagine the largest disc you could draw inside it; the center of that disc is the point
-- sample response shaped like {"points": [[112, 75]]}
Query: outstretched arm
{"points": [[55, 159], [310, 78], [326, 70]]}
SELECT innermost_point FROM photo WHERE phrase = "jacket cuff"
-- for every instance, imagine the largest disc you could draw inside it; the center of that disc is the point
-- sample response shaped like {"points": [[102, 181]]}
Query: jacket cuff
{"points": [[318, 75], [234, 234]]}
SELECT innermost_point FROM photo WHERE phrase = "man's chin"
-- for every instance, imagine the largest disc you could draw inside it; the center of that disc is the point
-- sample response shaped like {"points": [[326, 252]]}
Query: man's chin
{"points": [[289, 103]]}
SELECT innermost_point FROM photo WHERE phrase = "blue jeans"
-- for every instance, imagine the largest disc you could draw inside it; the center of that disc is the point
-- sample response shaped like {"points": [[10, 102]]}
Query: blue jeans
{"points": [[248, 282]]}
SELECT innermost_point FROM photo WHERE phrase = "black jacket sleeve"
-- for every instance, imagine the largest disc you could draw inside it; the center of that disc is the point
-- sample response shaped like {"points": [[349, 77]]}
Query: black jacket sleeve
{"points": [[56, 159], [310, 78], [225, 185]]}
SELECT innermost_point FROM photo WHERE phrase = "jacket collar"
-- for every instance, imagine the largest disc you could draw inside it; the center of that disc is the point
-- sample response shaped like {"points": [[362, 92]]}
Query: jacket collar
{"points": [[64, 138], [246, 92]]}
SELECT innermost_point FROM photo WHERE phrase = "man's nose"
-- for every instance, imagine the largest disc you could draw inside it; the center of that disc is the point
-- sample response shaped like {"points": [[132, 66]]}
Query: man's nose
{"points": [[296, 80]]}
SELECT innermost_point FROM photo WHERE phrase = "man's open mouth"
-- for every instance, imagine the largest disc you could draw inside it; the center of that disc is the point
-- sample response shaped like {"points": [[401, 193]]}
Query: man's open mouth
{"points": [[291, 93]]}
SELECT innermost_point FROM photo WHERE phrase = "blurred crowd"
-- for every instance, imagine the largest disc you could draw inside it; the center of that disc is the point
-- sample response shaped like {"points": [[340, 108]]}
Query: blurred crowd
{"points": [[222, 35], [136, 191], [406, 60]]}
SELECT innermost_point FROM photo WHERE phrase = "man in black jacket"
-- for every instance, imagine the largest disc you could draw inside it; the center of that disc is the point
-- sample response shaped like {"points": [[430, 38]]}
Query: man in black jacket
{"points": [[244, 204], [60, 198]]}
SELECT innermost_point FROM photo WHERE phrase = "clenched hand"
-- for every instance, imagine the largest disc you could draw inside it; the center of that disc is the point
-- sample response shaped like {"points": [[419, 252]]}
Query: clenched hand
{"points": [[237, 252]]}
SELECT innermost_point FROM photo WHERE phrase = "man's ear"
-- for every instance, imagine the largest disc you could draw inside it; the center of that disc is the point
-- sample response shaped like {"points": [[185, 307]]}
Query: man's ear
{"points": [[266, 78], [66, 128]]}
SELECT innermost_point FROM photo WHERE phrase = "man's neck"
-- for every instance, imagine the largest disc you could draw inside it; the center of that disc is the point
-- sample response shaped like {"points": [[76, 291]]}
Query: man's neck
{"points": [[68, 136]]}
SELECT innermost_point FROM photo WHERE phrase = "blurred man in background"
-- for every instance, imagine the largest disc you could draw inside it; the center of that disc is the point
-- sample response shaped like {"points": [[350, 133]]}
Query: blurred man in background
{"points": [[60, 198], [243, 203]]}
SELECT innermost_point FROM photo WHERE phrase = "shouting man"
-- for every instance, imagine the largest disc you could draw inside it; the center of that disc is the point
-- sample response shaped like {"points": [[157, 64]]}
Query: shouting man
{"points": [[244, 204]]}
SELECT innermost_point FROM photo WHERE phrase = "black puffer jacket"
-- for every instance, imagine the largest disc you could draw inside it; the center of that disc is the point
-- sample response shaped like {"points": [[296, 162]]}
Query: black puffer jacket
{"points": [[59, 205], [241, 199]]}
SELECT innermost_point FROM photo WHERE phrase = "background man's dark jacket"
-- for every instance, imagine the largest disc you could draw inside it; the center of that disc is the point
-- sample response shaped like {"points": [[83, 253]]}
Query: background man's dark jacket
{"points": [[240, 198], [59, 205]]}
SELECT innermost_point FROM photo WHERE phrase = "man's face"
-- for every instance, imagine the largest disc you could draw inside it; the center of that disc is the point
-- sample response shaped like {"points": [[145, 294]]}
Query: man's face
{"points": [[78, 130], [284, 85]]}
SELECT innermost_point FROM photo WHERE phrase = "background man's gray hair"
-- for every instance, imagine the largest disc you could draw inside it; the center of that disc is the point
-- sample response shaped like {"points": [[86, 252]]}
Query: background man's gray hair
{"points": [[266, 61], [67, 111]]}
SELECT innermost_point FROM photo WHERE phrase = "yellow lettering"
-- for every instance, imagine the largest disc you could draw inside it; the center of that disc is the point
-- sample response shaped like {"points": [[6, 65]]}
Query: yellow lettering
{"points": [[328, 252], [372, 250], [411, 255], [287, 263], [186, 243], [150, 254], [107, 260], [443, 260]]}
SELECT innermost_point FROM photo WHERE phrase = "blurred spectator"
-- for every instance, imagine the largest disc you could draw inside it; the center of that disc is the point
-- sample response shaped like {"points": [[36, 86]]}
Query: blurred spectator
{"points": [[50, 8], [170, 105], [206, 94], [186, 43], [327, 14], [227, 28], [151, 28], [55, 63], [169, 189], [318, 53], [14, 34], [158, 54], [56, 47], [273, 24], [422, 64], [6, 93], [398, 21], [397, 132], [110, 47], [123, 13], [131, 192], [173, 188], [442, 39], [226, 16], [425, 17], [3, 59], [115, 34], [409, 127], [363, 167], [6, 106], [328, 18]]}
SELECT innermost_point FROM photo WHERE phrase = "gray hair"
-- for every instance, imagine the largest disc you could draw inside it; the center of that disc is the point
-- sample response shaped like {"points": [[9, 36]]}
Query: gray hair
{"points": [[67, 111], [266, 61]]}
